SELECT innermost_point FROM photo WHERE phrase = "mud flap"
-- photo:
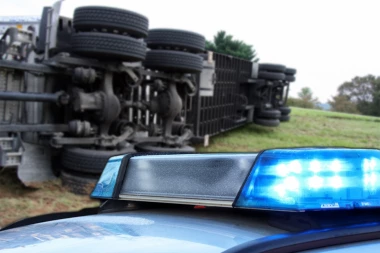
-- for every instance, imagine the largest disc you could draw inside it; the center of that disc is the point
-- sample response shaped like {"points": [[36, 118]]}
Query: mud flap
{"points": [[36, 165]]}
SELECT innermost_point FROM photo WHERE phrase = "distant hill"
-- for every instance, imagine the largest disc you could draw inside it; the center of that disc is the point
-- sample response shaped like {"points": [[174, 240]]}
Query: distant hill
{"points": [[325, 106]]}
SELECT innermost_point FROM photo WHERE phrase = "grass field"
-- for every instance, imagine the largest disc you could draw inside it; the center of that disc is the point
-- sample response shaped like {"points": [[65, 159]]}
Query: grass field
{"points": [[306, 128]]}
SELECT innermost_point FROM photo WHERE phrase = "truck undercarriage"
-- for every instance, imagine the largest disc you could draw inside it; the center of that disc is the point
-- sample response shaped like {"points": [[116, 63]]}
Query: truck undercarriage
{"points": [[81, 90]]}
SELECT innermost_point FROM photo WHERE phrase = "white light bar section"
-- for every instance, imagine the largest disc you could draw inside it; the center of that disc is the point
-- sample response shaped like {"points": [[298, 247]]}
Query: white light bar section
{"points": [[195, 179]]}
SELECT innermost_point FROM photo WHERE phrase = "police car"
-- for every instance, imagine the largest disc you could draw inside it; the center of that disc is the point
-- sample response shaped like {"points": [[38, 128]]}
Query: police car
{"points": [[279, 200]]}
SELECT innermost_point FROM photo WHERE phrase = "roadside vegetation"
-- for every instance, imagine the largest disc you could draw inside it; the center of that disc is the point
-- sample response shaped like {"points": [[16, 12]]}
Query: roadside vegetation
{"points": [[307, 127], [360, 95]]}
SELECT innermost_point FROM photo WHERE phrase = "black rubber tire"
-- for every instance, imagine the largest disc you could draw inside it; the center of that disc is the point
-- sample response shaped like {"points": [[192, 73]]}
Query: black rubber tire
{"points": [[290, 71], [284, 110], [159, 147], [268, 114], [193, 42], [173, 61], [290, 78], [271, 75], [89, 18], [272, 67], [79, 183], [89, 160], [284, 118], [108, 46], [267, 122]]}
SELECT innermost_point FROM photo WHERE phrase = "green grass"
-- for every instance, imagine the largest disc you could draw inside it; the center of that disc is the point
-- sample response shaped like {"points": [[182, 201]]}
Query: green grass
{"points": [[305, 128]]}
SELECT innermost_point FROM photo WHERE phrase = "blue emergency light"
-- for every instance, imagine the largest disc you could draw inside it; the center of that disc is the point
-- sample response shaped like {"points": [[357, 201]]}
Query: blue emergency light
{"points": [[313, 179], [280, 179]]}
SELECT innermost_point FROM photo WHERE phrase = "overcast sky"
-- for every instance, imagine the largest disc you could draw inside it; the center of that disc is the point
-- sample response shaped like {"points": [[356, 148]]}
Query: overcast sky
{"points": [[329, 42]]}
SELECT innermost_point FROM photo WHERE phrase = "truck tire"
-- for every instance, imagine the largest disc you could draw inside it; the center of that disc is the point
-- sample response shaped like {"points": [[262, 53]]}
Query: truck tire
{"points": [[173, 61], [284, 110], [193, 42], [271, 75], [108, 46], [89, 18], [290, 71], [290, 78], [89, 160], [272, 67], [160, 147], [78, 183], [268, 114], [284, 118], [267, 122]]}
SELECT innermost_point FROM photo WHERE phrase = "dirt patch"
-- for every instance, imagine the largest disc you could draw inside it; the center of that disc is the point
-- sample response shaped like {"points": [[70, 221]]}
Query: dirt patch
{"points": [[18, 202]]}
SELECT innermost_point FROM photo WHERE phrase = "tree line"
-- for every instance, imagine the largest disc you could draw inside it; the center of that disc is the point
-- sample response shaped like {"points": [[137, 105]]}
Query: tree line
{"points": [[360, 95], [226, 44]]}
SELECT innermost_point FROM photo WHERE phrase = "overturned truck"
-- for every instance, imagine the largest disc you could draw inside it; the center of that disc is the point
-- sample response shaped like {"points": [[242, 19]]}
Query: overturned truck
{"points": [[100, 84]]}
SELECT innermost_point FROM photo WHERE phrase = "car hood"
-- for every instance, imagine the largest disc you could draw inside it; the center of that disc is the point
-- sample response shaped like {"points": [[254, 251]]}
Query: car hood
{"points": [[138, 231]]}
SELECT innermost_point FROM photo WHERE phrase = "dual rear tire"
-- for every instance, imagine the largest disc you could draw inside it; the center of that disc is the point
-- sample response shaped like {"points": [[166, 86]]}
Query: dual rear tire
{"points": [[268, 117], [174, 51], [116, 34], [285, 113], [109, 33]]}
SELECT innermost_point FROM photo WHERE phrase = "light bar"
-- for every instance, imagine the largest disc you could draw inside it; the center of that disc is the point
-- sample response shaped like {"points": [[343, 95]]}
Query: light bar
{"points": [[280, 179], [196, 179], [313, 179], [107, 181]]}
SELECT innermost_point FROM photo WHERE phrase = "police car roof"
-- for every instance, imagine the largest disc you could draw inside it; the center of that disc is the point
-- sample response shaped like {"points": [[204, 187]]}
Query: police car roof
{"points": [[155, 230]]}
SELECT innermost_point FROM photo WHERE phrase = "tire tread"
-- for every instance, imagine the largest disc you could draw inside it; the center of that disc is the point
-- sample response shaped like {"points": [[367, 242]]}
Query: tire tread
{"points": [[271, 75], [176, 38], [173, 61], [87, 160], [108, 46], [267, 122], [90, 17]]}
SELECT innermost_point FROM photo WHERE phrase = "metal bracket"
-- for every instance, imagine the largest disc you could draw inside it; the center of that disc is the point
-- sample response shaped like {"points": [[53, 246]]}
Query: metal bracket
{"points": [[191, 89], [137, 79], [104, 140]]}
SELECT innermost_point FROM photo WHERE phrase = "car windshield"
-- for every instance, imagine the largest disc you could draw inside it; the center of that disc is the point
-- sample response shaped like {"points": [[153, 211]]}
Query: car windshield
{"points": [[263, 108]]}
